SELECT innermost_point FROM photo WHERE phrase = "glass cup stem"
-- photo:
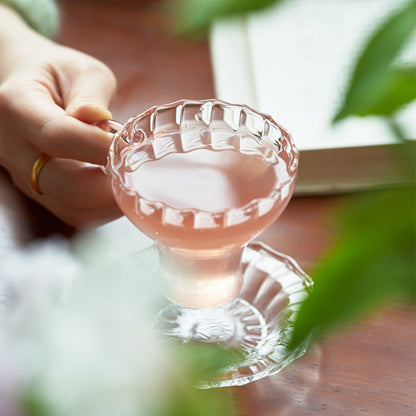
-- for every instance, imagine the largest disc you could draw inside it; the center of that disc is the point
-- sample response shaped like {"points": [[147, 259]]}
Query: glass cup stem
{"points": [[201, 278]]}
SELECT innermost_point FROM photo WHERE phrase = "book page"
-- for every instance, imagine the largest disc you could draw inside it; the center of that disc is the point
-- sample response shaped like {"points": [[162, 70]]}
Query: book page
{"points": [[299, 56]]}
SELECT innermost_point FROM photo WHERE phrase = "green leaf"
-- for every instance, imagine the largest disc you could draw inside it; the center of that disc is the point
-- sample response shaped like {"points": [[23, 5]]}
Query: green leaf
{"points": [[190, 401], [198, 361], [33, 404], [206, 360], [195, 16], [373, 77], [374, 260], [398, 88]]}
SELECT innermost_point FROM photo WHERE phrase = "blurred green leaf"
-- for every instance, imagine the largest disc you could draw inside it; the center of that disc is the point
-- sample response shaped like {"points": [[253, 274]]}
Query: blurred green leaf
{"points": [[206, 360], [199, 361], [190, 401], [195, 16], [32, 404], [374, 81], [398, 88], [373, 260]]}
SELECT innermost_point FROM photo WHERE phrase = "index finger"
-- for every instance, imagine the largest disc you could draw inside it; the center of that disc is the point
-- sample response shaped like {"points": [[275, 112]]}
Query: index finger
{"points": [[56, 133]]}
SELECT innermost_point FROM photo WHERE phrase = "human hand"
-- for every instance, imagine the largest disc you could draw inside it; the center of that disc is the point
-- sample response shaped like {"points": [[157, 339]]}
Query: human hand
{"points": [[49, 99]]}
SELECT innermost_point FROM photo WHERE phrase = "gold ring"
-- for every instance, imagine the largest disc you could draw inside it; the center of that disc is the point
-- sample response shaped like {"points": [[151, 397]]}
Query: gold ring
{"points": [[34, 175]]}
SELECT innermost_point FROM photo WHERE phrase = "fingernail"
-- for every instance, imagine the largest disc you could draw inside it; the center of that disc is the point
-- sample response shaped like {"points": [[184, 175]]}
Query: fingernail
{"points": [[90, 112]]}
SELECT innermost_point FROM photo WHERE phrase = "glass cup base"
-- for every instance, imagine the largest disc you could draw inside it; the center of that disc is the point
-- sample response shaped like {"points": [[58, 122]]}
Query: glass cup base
{"points": [[257, 323], [238, 323]]}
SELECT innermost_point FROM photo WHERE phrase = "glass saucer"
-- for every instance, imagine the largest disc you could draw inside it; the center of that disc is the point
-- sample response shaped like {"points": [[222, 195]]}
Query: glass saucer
{"points": [[258, 322]]}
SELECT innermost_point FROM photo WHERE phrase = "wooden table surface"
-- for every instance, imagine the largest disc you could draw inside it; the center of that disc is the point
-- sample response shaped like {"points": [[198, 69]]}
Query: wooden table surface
{"points": [[368, 369]]}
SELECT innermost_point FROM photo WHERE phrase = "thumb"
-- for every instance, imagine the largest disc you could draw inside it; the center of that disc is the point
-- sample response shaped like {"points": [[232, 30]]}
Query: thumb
{"points": [[89, 96]]}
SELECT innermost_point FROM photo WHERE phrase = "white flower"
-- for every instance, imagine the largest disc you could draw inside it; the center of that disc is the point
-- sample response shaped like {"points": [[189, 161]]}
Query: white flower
{"points": [[76, 328]]}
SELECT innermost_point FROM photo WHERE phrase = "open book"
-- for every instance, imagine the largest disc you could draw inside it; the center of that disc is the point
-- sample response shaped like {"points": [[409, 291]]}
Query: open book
{"points": [[292, 61]]}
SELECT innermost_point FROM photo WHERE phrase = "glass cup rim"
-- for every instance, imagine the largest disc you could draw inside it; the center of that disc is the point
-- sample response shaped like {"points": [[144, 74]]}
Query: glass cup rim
{"points": [[245, 209]]}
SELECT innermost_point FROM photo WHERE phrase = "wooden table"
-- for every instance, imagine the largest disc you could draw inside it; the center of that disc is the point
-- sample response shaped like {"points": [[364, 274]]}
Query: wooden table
{"points": [[367, 370]]}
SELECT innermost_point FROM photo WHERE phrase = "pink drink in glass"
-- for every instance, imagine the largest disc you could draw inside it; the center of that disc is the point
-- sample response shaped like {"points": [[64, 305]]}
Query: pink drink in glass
{"points": [[202, 187]]}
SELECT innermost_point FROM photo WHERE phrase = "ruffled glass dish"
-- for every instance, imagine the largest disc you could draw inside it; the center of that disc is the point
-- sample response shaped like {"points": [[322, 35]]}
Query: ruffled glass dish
{"points": [[258, 321]]}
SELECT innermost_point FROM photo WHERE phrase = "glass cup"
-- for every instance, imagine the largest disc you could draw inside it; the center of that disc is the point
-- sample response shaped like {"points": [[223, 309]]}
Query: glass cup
{"points": [[202, 179]]}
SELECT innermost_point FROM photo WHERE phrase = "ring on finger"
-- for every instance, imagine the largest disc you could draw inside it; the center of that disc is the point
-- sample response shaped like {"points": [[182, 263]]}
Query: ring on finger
{"points": [[36, 169]]}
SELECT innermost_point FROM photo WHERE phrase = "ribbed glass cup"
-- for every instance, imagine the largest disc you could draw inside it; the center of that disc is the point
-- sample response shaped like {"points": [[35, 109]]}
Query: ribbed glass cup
{"points": [[203, 179], [200, 250]]}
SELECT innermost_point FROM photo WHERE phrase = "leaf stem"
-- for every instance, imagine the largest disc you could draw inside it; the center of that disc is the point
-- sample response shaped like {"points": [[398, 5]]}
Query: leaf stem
{"points": [[397, 130]]}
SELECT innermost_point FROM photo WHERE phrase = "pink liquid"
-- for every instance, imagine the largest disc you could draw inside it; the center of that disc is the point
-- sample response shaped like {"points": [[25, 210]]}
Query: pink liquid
{"points": [[206, 188], [204, 179], [199, 223]]}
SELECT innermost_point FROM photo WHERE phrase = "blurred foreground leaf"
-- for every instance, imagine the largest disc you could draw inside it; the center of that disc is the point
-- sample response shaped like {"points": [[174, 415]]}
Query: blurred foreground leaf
{"points": [[373, 260], [376, 87], [195, 16], [206, 360], [32, 404], [397, 89], [198, 362]]}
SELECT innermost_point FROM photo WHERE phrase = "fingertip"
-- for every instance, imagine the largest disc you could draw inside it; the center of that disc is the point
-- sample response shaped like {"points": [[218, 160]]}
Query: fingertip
{"points": [[89, 112]]}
